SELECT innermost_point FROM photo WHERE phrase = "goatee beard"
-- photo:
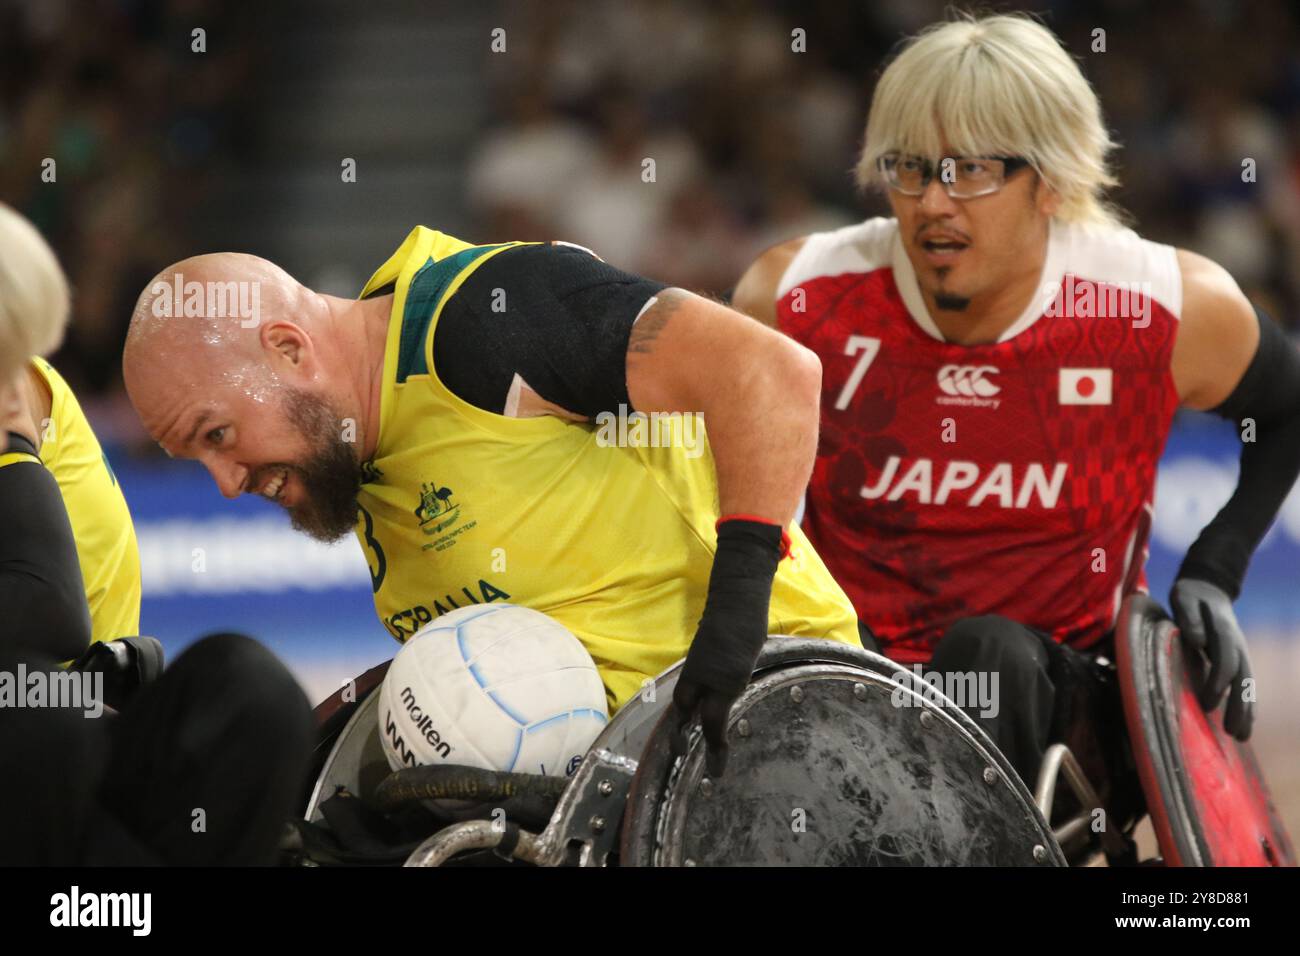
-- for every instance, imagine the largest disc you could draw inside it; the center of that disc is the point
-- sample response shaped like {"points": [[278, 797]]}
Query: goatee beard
{"points": [[330, 476], [951, 303]]}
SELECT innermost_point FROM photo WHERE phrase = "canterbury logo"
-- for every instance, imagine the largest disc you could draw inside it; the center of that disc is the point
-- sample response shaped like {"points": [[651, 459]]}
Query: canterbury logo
{"points": [[968, 380]]}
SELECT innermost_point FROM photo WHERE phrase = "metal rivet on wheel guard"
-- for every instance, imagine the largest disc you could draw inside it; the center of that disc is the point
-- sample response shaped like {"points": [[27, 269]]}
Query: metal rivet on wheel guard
{"points": [[833, 772]]}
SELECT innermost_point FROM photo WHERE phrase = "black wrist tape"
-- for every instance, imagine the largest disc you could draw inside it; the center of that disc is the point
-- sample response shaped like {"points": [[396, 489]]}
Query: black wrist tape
{"points": [[734, 624]]}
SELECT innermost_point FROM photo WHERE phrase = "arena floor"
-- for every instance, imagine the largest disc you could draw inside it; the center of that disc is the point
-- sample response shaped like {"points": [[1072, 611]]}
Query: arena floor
{"points": [[1277, 665]]}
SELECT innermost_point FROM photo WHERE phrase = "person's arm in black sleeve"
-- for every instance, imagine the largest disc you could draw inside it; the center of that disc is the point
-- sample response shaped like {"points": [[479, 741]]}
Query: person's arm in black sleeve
{"points": [[554, 319], [1269, 396], [42, 597], [1265, 407]]}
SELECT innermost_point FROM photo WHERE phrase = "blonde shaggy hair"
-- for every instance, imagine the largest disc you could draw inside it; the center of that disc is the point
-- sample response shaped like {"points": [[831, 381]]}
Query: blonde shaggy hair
{"points": [[34, 301], [996, 85]]}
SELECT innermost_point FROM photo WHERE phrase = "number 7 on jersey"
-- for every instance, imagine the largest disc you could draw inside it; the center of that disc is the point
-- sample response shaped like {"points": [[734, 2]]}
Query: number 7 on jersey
{"points": [[870, 348]]}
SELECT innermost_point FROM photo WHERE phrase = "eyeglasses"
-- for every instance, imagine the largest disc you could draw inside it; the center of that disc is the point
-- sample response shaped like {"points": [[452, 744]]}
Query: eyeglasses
{"points": [[963, 177]]}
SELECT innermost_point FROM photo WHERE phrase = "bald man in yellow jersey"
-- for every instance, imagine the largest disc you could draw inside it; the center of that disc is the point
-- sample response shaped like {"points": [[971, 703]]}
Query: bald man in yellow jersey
{"points": [[468, 417], [49, 437]]}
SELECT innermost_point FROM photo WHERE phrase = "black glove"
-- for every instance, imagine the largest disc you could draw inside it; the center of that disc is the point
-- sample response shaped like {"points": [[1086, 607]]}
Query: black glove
{"points": [[127, 664], [1204, 615], [731, 633]]}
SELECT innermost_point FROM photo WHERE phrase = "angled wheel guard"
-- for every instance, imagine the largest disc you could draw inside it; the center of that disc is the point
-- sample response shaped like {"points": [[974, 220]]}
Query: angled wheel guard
{"points": [[1207, 799], [838, 757]]}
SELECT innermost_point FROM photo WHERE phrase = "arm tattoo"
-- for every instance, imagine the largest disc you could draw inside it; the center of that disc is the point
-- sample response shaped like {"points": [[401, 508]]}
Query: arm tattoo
{"points": [[648, 327]]}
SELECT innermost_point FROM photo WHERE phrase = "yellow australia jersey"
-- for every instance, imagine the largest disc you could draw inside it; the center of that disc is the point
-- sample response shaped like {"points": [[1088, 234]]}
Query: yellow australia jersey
{"points": [[101, 523], [463, 506]]}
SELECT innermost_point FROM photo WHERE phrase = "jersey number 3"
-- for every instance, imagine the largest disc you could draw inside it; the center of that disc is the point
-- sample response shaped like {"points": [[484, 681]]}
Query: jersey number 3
{"points": [[381, 563], [870, 348]]}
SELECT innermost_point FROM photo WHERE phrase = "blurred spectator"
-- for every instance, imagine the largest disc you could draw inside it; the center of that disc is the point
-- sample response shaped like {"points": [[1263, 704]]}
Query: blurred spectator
{"points": [[700, 240], [135, 119], [1190, 91], [621, 198], [523, 166], [752, 111]]}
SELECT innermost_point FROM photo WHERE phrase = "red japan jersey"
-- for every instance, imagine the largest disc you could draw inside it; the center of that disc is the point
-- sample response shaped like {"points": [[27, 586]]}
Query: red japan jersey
{"points": [[1012, 478]]}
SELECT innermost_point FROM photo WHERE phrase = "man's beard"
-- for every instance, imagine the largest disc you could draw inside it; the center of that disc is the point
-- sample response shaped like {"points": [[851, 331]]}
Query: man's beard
{"points": [[330, 475], [948, 301]]}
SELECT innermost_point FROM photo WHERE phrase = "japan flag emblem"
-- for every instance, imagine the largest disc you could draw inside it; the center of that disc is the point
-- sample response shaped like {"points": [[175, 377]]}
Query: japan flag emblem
{"points": [[1085, 386]]}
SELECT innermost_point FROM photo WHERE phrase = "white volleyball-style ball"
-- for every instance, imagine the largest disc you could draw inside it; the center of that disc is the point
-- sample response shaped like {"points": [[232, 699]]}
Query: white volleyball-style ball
{"points": [[496, 686]]}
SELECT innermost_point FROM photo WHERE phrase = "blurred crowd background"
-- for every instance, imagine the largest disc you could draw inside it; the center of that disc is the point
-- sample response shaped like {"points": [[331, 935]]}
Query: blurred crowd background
{"points": [[164, 150], [138, 126], [186, 126]]}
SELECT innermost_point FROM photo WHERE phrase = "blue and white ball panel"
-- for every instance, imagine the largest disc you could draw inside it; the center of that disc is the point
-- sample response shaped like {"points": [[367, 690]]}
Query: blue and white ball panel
{"points": [[500, 687]]}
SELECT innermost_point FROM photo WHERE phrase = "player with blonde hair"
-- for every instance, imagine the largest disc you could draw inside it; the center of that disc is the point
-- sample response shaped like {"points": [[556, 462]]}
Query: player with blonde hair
{"points": [[33, 304], [1003, 84], [1002, 361], [69, 555]]}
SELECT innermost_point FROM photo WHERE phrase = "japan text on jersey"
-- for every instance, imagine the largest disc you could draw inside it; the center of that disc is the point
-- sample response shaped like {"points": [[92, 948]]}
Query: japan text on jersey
{"points": [[1014, 477]]}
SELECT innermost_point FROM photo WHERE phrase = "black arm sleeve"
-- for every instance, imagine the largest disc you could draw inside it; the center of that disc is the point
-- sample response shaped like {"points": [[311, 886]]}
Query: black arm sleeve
{"points": [[554, 315], [42, 597], [1268, 393]]}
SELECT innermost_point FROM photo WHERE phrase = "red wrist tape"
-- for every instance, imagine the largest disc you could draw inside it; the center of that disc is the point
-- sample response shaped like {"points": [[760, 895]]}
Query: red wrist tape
{"points": [[785, 536]]}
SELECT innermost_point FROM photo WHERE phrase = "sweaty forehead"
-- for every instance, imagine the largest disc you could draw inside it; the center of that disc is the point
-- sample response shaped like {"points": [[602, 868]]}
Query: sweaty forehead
{"points": [[168, 402], [214, 341], [193, 352]]}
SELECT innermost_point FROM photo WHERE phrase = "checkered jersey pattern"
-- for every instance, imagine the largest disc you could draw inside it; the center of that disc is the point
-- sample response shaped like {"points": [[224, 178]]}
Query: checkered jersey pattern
{"points": [[953, 481]]}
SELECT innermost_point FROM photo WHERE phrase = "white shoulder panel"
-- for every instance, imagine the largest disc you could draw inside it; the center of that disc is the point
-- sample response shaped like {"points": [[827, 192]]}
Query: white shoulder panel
{"points": [[862, 247], [1121, 257]]}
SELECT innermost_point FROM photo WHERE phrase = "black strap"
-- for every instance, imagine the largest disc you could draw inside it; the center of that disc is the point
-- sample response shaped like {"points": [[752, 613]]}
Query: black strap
{"points": [[506, 848], [20, 443]]}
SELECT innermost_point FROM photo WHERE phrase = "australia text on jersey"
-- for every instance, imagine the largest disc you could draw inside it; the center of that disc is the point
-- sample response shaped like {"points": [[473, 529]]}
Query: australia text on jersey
{"points": [[405, 623]]}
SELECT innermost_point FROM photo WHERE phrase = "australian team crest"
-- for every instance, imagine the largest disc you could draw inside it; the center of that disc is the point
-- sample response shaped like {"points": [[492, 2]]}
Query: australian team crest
{"points": [[436, 510]]}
